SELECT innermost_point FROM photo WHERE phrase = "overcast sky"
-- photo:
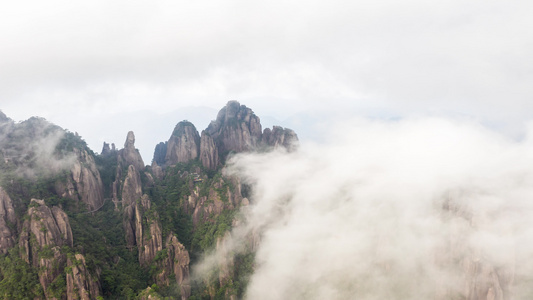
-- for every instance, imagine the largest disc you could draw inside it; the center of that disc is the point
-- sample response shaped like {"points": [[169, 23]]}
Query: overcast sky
{"points": [[102, 68]]}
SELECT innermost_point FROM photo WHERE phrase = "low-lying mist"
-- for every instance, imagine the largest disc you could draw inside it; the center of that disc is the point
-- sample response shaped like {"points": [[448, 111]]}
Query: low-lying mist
{"points": [[29, 149], [413, 209]]}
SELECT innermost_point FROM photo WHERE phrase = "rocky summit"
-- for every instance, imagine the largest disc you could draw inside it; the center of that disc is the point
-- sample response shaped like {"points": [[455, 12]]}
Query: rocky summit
{"points": [[236, 129]]}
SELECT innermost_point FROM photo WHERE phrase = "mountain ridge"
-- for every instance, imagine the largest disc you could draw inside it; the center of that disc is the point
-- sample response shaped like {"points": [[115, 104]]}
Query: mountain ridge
{"points": [[90, 226]]}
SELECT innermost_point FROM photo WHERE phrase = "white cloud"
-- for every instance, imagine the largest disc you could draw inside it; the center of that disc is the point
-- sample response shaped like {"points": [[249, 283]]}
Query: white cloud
{"points": [[393, 210]]}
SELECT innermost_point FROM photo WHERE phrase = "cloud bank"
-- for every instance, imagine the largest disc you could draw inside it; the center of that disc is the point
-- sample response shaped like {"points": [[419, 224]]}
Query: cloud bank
{"points": [[416, 209]]}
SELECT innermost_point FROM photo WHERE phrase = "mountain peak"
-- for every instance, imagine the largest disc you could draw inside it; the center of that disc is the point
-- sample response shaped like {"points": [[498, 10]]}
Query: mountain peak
{"points": [[130, 155], [236, 129], [130, 140]]}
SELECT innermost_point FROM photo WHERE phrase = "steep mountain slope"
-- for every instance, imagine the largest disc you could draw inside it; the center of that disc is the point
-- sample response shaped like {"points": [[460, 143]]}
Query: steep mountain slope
{"points": [[84, 226]]}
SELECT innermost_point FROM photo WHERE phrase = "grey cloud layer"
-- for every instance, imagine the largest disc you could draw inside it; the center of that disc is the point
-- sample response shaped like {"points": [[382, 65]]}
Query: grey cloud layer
{"points": [[410, 55]]}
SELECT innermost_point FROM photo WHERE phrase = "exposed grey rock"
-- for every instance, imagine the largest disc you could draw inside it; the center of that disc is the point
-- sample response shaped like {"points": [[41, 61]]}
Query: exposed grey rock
{"points": [[8, 221], [160, 153], [80, 283], [176, 263], [131, 193], [130, 155], [87, 181], [105, 149], [51, 229], [132, 188], [116, 187], [157, 170], [280, 137], [236, 129], [208, 152], [149, 240], [183, 145]]}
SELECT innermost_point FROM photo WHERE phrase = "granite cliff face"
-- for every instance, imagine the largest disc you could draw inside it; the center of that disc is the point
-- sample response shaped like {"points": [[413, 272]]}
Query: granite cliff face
{"points": [[131, 194], [148, 231], [42, 237], [143, 230], [8, 222], [81, 285], [160, 153], [85, 180], [209, 152], [141, 224], [125, 191], [183, 145], [132, 187], [175, 264]]}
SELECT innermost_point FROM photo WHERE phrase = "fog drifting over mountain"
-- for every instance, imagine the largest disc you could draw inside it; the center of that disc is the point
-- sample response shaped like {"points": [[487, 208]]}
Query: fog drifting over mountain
{"points": [[415, 209]]}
